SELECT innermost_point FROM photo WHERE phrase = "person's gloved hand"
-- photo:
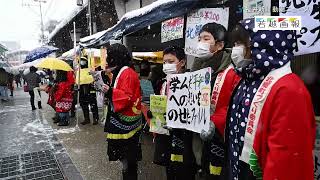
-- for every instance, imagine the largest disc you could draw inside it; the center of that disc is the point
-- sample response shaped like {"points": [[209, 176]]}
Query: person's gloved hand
{"points": [[149, 114], [167, 128], [208, 135]]}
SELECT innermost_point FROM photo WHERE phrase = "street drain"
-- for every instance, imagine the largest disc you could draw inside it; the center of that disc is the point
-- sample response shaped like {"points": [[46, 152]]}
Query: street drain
{"points": [[40, 165]]}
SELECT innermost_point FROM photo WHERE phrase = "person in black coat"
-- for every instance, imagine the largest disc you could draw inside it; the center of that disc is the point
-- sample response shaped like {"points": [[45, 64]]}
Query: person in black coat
{"points": [[88, 98]]}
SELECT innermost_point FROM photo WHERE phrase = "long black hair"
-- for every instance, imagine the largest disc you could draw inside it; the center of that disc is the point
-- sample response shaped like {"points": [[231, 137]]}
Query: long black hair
{"points": [[61, 76], [119, 55]]}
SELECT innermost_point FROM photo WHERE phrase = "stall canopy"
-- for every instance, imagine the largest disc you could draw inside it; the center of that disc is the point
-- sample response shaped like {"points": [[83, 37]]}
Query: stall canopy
{"points": [[138, 19]]}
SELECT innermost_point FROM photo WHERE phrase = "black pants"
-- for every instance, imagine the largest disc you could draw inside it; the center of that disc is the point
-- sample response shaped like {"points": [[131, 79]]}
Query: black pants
{"points": [[31, 93], [129, 170], [180, 172], [94, 109]]}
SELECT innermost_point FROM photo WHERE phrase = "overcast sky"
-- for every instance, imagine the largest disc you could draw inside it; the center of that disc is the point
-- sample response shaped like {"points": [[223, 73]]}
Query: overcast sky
{"points": [[22, 23]]}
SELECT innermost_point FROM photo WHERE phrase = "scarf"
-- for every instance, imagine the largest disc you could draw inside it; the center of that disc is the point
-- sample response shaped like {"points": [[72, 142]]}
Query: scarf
{"points": [[270, 50]]}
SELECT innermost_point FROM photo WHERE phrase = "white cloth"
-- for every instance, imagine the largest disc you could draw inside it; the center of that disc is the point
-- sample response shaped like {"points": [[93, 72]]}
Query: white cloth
{"points": [[36, 92]]}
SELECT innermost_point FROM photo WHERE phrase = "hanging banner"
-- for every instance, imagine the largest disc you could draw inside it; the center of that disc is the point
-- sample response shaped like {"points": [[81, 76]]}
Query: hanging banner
{"points": [[308, 37], [158, 106], [197, 19], [188, 103], [172, 29], [252, 8]]}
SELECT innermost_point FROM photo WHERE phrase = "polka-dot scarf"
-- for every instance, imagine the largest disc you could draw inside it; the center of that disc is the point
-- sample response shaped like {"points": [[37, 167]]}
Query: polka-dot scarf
{"points": [[270, 50]]}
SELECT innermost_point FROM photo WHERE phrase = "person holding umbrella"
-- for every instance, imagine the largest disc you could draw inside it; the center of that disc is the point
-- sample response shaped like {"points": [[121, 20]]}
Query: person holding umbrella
{"points": [[60, 93]]}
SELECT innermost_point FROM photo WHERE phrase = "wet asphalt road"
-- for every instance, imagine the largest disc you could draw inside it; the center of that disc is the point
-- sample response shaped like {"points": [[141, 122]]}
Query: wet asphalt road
{"points": [[79, 150]]}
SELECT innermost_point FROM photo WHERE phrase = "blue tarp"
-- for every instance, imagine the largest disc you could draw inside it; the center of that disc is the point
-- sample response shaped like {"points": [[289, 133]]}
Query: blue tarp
{"points": [[130, 24]]}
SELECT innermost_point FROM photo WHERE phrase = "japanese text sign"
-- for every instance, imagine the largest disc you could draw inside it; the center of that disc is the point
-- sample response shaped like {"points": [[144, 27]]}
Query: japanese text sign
{"points": [[197, 19], [172, 29], [188, 103], [308, 37], [158, 107], [277, 22], [252, 8]]}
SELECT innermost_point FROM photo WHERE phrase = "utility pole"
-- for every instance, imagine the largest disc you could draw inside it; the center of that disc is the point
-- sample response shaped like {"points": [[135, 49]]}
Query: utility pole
{"points": [[42, 39], [89, 17], [41, 18]]}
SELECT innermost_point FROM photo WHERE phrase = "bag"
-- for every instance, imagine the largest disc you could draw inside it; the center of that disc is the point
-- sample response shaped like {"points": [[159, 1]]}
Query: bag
{"points": [[25, 88]]}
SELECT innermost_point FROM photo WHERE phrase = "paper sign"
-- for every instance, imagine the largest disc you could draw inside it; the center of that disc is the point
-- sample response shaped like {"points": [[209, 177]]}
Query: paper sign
{"points": [[252, 8], [172, 29], [158, 106], [188, 104], [309, 36], [197, 19]]}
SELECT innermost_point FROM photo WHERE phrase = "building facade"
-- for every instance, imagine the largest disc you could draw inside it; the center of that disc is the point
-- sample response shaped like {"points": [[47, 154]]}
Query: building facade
{"points": [[16, 58]]}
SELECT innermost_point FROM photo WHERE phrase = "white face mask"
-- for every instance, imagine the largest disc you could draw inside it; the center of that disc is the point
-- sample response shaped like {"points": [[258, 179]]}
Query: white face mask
{"points": [[203, 50], [237, 54], [82, 63], [237, 57], [169, 68]]}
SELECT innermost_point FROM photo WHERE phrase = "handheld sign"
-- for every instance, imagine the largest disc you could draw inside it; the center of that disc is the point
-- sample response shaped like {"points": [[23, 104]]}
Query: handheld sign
{"points": [[188, 104], [158, 105]]}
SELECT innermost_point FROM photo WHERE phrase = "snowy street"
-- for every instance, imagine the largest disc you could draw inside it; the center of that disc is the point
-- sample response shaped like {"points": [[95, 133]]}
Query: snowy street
{"points": [[75, 152]]}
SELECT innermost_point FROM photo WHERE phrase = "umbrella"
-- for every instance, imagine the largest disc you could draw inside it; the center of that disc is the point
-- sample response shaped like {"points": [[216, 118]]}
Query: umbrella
{"points": [[41, 73], [40, 52], [85, 77], [54, 64]]}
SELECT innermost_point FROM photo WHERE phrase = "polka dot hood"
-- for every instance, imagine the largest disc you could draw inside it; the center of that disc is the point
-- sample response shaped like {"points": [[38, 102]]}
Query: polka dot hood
{"points": [[270, 50]]}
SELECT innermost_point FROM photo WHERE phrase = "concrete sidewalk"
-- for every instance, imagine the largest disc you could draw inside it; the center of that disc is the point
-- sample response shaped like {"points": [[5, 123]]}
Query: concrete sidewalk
{"points": [[81, 149]]}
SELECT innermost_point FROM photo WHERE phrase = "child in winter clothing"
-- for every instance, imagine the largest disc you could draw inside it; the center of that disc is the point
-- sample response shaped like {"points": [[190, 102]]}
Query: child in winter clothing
{"points": [[62, 96]]}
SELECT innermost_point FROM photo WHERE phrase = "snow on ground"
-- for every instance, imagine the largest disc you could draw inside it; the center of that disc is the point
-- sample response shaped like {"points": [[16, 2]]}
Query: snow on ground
{"points": [[35, 128], [66, 130]]}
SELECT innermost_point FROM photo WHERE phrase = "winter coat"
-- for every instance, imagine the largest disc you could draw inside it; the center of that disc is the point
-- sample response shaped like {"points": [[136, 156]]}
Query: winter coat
{"points": [[226, 81], [4, 78], [33, 80], [63, 97], [125, 105], [270, 129]]}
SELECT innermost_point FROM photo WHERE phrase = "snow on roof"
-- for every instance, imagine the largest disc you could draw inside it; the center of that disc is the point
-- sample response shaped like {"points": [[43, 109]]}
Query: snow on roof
{"points": [[66, 20], [94, 36], [129, 15], [146, 9]]}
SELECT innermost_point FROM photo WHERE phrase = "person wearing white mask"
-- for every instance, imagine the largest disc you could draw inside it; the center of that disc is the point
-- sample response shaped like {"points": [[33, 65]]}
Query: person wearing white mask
{"points": [[210, 49], [270, 130], [174, 151], [209, 150]]}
